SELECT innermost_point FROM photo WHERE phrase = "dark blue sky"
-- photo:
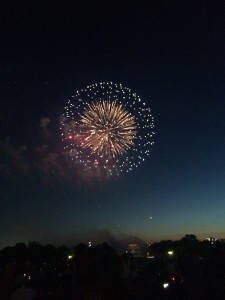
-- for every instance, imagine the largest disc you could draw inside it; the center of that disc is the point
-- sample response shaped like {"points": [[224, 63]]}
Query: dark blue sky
{"points": [[172, 56]]}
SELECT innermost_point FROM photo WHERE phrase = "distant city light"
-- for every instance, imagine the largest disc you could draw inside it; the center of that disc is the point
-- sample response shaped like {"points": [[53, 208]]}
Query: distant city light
{"points": [[212, 240], [173, 278], [170, 252], [165, 285], [70, 257]]}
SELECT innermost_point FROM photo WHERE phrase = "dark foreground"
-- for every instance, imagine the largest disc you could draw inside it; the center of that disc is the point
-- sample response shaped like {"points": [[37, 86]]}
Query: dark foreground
{"points": [[185, 269]]}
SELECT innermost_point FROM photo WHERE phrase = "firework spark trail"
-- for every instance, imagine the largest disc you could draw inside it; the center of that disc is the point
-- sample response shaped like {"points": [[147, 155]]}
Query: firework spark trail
{"points": [[107, 129]]}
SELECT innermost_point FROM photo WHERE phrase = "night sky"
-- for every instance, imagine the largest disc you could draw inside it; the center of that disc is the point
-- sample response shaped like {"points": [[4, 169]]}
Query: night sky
{"points": [[172, 54]]}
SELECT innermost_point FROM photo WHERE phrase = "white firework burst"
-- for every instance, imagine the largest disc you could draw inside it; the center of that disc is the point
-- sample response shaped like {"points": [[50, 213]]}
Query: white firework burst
{"points": [[106, 128]]}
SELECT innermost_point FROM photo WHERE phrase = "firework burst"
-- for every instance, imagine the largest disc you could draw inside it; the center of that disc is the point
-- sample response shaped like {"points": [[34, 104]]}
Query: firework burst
{"points": [[106, 128], [110, 130]]}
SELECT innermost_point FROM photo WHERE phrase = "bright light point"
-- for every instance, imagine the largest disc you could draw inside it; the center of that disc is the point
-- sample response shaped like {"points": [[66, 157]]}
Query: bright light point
{"points": [[165, 285], [170, 252], [70, 257]]}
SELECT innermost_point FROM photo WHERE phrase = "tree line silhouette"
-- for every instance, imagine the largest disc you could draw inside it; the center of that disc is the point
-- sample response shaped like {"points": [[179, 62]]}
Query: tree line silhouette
{"points": [[183, 269]]}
